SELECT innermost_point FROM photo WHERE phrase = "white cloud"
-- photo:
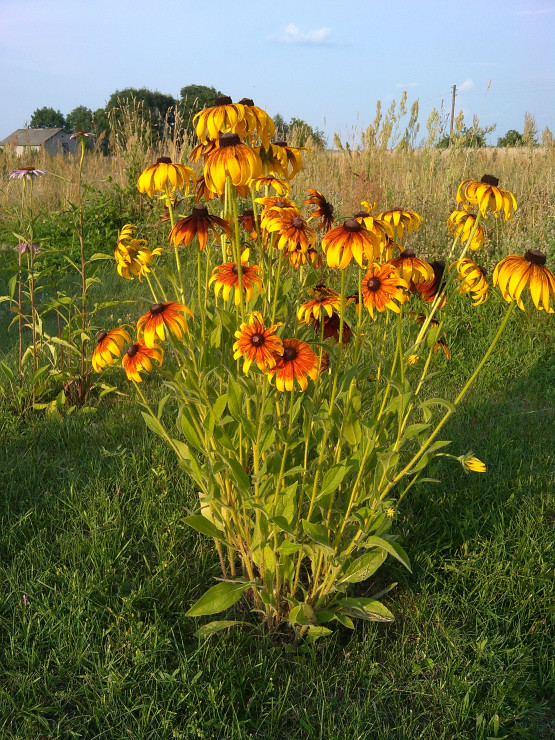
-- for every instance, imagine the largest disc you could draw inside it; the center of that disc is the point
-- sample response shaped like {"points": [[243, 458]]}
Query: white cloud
{"points": [[466, 86], [294, 35], [539, 11]]}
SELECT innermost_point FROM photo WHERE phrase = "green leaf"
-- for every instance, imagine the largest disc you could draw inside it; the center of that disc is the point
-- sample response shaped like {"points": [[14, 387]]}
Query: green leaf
{"points": [[316, 631], [317, 532], [212, 627], [101, 256], [204, 526], [219, 406], [332, 479], [362, 608], [191, 434], [234, 395], [153, 424], [393, 548], [219, 597], [289, 548], [363, 567]]}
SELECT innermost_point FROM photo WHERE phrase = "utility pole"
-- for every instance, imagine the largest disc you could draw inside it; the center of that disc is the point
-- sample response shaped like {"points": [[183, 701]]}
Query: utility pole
{"points": [[452, 114]]}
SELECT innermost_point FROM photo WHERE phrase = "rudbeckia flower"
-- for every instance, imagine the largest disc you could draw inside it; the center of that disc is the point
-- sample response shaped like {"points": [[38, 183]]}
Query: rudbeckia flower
{"points": [[297, 258], [139, 358], [382, 229], [323, 303], [231, 159], [220, 118], [472, 279], [162, 316], [289, 158], [274, 206], [324, 210], [256, 124], [297, 362], [412, 268], [203, 150], [198, 224], [109, 345], [248, 222], [293, 231], [347, 241], [257, 344], [165, 174], [472, 463], [401, 220], [381, 286], [226, 276], [487, 194], [430, 289], [461, 223], [28, 173], [515, 272], [133, 255], [270, 181], [332, 325], [439, 343], [202, 191]]}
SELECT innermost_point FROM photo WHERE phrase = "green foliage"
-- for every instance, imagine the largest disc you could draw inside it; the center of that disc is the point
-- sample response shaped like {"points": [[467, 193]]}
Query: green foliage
{"points": [[193, 98], [511, 138], [47, 118], [303, 134], [158, 108], [80, 119]]}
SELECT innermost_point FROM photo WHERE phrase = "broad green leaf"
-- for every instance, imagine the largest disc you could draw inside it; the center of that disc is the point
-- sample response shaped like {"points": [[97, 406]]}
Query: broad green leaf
{"points": [[204, 526], [153, 424], [316, 631], [363, 567], [101, 256], [219, 406], [363, 608], [212, 627], [234, 395], [333, 479], [219, 597], [289, 548], [317, 532], [191, 434], [393, 548]]}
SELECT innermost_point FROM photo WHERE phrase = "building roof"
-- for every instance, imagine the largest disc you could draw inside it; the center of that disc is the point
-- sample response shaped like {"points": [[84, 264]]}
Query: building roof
{"points": [[30, 136]]}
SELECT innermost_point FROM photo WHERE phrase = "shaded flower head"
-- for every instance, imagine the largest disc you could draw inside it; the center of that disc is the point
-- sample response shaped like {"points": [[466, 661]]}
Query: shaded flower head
{"points": [[412, 268], [515, 272], [249, 223], [109, 345], [162, 316], [231, 159], [332, 325], [347, 241], [461, 224], [220, 118], [133, 255], [402, 221], [382, 229], [472, 279], [381, 287], [226, 277], [255, 124], [138, 358], [28, 173], [428, 290], [297, 257], [257, 344], [282, 159], [200, 223], [164, 175], [270, 181], [487, 194], [297, 362], [324, 210], [324, 303], [23, 247]]}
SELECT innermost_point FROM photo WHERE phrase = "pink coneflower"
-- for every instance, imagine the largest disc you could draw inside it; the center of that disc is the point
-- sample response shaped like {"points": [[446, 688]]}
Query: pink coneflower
{"points": [[80, 134], [21, 248], [27, 172]]}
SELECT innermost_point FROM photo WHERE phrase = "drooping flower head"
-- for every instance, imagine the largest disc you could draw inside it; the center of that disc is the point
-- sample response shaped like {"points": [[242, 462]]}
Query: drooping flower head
{"points": [[515, 272], [401, 220], [297, 362], [249, 223], [109, 345], [270, 181], [274, 207], [324, 210], [226, 277], [22, 247], [382, 229], [256, 123], [332, 324], [257, 344], [429, 290], [28, 173], [297, 258], [138, 357], [461, 224], [220, 118], [347, 241], [472, 279], [412, 268], [200, 223], [165, 174], [293, 231], [381, 287], [231, 159], [288, 159], [487, 194], [162, 316], [472, 464], [133, 255]]}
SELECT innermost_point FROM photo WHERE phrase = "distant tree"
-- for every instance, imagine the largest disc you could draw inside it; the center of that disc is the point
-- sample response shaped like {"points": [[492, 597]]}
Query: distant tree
{"points": [[47, 118], [80, 119], [193, 98], [511, 138], [282, 127], [530, 133], [303, 133], [101, 128], [157, 107]]}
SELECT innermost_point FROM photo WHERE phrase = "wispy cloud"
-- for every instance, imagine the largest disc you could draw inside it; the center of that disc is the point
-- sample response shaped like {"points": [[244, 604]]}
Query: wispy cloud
{"points": [[294, 35], [406, 85], [538, 11], [466, 86]]}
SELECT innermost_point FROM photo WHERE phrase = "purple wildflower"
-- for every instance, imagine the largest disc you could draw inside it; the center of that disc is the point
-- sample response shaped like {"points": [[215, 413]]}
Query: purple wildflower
{"points": [[80, 135], [22, 248], [27, 172]]}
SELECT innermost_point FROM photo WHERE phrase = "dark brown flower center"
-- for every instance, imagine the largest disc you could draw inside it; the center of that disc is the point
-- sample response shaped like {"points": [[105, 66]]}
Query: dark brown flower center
{"points": [[282, 142], [490, 180], [101, 336], [229, 139], [373, 284], [483, 270], [297, 222], [157, 309], [535, 257], [408, 253], [27, 169], [246, 101], [361, 214], [290, 354], [248, 213], [133, 349], [235, 270], [281, 204], [163, 160], [351, 225], [200, 210], [257, 339], [438, 265], [223, 100]]}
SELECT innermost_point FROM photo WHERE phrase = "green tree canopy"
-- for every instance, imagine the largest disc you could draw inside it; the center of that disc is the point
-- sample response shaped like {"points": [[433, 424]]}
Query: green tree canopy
{"points": [[511, 138], [303, 133], [47, 118], [80, 119], [158, 107], [193, 99]]}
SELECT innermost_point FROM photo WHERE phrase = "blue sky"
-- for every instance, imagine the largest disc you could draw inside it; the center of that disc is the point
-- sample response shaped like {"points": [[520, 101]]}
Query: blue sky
{"points": [[326, 62]]}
